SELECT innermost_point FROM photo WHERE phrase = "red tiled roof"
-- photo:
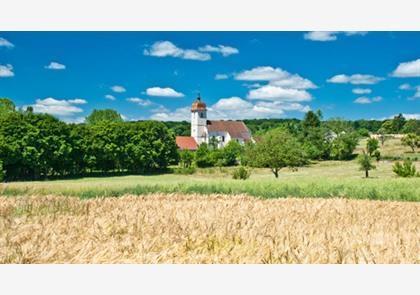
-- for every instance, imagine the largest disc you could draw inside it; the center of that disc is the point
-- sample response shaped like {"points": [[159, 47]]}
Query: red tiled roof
{"points": [[186, 143], [236, 129]]}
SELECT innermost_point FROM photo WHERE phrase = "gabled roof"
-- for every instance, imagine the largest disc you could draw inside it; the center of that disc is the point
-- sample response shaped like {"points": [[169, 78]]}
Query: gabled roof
{"points": [[236, 129], [186, 143]]}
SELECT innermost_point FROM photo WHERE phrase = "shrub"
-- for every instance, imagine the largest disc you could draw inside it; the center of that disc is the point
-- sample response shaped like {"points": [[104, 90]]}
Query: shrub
{"points": [[407, 169], [241, 173], [186, 158], [185, 170]]}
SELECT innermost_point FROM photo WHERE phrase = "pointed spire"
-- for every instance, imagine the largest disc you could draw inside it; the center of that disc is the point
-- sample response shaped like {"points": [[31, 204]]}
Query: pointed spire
{"points": [[199, 96]]}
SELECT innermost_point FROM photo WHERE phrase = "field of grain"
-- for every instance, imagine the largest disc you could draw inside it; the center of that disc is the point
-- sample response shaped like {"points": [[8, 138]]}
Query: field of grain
{"points": [[175, 228]]}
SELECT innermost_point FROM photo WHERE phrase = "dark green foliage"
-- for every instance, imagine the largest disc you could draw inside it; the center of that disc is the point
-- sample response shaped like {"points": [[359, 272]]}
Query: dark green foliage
{"points": [[203, 157], [100, 116], [412, 126], [276, 149], [179, 128], [365, 162], [407, 169], [39, 146], [241, 173], [1, 171], [363, 132]]}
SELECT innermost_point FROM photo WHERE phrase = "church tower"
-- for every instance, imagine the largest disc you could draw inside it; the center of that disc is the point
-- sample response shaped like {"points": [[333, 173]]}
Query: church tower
{"points": [[199, 121]]}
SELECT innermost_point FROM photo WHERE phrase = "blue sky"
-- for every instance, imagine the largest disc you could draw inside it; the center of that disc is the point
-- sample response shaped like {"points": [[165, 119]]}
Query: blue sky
{"points": [[239, 74]]}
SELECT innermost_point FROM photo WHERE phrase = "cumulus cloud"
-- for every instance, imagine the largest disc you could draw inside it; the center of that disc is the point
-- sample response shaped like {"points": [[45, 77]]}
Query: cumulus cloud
{"points": [[58, 107], [276, 93], [167, 48], [324, 36], [410, 116], [235, 108], [6, 71], [275, 77], [367, 100], [405, 86], [6, 43], [55, 66], [110, 97], [221, 77], [361, 91], [163, 92], [223, 50], [408, 69], [140, 101], [118, 89], [355, 79]]}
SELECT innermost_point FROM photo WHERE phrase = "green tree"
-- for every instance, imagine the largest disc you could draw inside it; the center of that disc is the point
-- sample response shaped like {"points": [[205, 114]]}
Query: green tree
{"points": [[372, 145], [186, 158], [232, 152], [398, 123], [276, 149], [203, 156], [365, 162], [343, 146], [411, 140], [407, 169], [412, 126], [6, 106], [311, 120], [107, 115]]}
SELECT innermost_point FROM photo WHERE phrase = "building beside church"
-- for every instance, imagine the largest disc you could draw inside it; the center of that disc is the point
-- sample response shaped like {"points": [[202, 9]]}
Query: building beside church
{"points": [[206, 131]]}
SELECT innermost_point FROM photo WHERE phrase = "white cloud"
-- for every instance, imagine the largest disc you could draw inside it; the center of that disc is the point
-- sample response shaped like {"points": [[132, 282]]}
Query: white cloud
{"points": [[275, 77], [221, 77], [55, 66], [417, 94], [110, 97], [223, 50], [77, 101], [408, 69], [276, 93], [264, 73], [167, 48], [163, 92], [361, 91], [58, 107], [410, 116], [118, 89], [234, 108], [6, 43], [367, 100], [355, 79], [324, 36], [405, 86], [6, 71], [140, 101]]}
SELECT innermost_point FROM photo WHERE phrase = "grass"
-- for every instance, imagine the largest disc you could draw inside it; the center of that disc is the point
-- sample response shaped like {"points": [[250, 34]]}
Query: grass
{"points": [[207, 229], [324, 179], [393, 150]]}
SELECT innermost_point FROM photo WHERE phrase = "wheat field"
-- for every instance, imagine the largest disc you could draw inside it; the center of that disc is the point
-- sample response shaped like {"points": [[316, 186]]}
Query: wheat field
{"points": [[177, 228]]}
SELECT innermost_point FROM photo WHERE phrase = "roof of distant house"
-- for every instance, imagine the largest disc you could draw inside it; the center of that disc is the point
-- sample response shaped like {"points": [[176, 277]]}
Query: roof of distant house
{"points": [[236, 129], [186, 143]]}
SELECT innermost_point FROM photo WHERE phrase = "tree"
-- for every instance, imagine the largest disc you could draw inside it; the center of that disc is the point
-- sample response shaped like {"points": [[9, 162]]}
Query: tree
{"points": [[108, 115], [382, 136], [186, 158], [203, 156], [411, 140], [276, 149], [407, 169], [311, 120], [398, 123], [231, 153], [6, 106], [412, 126], [365, 162], [372, 145], [343, 146]]}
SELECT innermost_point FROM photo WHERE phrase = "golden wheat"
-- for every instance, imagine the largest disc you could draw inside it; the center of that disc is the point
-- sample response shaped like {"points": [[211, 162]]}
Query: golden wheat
{"points": [[207, 229]]}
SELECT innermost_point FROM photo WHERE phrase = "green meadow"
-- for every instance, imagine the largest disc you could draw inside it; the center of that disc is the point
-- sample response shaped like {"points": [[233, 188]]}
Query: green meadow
{"points": [[326, 179]]}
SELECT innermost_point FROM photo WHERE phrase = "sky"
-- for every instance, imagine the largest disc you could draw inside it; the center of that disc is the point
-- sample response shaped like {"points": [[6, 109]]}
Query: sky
{"points": [[240, 75]]}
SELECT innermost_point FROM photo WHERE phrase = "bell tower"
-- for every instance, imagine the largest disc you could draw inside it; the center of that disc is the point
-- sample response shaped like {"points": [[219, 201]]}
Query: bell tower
{"points": [[199, 121]]}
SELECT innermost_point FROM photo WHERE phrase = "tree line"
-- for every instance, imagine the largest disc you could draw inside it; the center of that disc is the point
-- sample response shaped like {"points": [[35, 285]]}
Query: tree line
{"points": [[38, 146]]}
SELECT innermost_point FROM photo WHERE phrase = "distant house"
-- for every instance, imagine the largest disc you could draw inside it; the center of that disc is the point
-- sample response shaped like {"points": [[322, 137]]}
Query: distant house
{"points": [[219, 131]]}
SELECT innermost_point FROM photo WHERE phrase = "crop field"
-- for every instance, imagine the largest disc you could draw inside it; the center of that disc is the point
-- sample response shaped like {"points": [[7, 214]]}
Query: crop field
{"points": [[180, 228], [325, 179]]}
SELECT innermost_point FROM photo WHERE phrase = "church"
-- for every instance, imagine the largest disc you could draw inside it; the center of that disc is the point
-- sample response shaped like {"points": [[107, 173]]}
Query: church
{"points": [[205, 131]]}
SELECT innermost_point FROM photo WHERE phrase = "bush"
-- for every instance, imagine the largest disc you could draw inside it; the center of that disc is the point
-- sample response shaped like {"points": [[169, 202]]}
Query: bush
{"points": [[241, 173], [407, 169], [185, 170]]}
